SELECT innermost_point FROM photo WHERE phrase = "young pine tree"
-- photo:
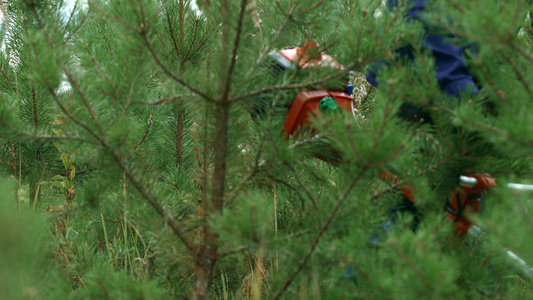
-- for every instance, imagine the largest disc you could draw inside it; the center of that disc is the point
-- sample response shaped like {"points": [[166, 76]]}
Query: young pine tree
{"points": [[130, 122]]}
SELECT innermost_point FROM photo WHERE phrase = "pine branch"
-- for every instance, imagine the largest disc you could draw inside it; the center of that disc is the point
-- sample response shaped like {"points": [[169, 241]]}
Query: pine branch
{"points": [[50, 137], [168, 99], [236, 43], [121, 21], [146, 132], [296, 86], [9, 81], [6, 16], [181, 5], [130, 93], [85, 99], [170, 73], [180, 128], [176, 228], [72, 13], [411, 264], [195, 34], [67, 113], [101, 71], [73, 32], [301, 184], [521, 78], [142, 189], [317, 238], [288, 18], [34, 107], [396, 16], [171, 31]]}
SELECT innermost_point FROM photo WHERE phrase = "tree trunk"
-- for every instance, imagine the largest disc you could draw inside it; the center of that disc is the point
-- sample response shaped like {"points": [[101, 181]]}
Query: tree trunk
{"points": [[206, 257]]}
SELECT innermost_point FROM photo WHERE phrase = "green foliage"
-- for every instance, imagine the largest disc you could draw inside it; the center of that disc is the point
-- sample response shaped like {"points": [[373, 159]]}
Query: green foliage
{"points": [[29, 269], [105, 282], [131, 165]]}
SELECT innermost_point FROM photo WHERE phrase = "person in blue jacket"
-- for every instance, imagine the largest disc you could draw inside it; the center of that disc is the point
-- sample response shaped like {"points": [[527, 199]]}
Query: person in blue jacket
{"points": [[453, 75], [454, 79]]}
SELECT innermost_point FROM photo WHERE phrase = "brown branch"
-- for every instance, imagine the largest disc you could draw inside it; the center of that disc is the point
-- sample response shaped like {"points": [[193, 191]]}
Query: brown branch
{"points": [[76, 29], [287, 87], [48, 137], [41, 24], [396, 15], [105, 14], [84, 98], [95, 62], [146, 132], [491, 83], [129, 173], [319, 235], [181, 5], [363, 102], [163, 100], [195, 34], [34, 106], [63, 108], [171, 30], [72, 13], [152, 201], [6, 16], [180, 128], [171, 74], [236, 43], [302, 186], [289, 186], [130, 95], [411, 264], [9, 81], [518, 75], [203, 42], [310, 8]]}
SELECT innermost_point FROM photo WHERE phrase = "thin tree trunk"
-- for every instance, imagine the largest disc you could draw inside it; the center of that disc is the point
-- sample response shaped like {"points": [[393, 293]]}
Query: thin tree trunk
{"points": [[207, 255]]}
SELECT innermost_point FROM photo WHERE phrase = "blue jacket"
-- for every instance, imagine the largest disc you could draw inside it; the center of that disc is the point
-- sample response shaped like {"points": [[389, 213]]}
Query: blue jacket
{"points": [[452, 72]]}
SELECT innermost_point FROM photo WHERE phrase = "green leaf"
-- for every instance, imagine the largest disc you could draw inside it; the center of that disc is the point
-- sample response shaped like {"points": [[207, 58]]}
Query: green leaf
{"points": [[72, 172], [64, 159], [57, 178]]}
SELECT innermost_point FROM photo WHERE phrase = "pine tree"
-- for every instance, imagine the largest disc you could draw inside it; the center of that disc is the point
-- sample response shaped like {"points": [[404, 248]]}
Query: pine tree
{"points": [[130, 122]]}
